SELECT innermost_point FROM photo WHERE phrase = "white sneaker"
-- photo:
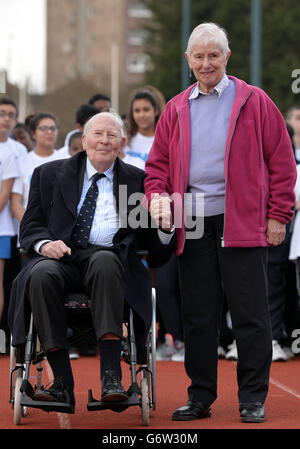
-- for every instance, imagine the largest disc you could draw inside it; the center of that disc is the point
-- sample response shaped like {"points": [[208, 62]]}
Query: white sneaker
{"points": [[221, 352], [73, 354], [179, 354], [279, 355], [288, 350], [166, 349], [232, 353]]}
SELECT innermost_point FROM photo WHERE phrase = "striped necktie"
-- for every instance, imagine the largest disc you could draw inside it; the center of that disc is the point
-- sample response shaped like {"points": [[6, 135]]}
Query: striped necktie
{"points": [[83, 225]]}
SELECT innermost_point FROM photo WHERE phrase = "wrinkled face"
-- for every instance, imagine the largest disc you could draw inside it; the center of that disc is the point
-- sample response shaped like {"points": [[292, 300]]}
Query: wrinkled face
{"points": [[46, 132], [8, 119], [103, 141], [208, 64], [144, 114]]}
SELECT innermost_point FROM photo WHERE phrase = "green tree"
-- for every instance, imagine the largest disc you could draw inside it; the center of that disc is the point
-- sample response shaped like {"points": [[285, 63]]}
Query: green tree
{"points": [[280, 42]]}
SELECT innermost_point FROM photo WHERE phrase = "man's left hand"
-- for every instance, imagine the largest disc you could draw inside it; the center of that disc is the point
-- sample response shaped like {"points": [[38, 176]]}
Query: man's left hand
{"points": [[275, 232]]}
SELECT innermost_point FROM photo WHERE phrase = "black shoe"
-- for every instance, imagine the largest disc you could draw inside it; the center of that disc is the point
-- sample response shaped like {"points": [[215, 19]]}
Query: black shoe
{"points": [[193, 410], [56, 393], [252, 412], [112, 389]]}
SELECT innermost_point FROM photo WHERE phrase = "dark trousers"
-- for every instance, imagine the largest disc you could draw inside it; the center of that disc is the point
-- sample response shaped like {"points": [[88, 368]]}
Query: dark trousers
{"points": [[206, 269], [99, 273]]}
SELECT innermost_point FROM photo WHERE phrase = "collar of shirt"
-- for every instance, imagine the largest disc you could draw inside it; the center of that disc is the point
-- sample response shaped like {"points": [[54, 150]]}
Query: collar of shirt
{"points": [[217, 90], [90, 171]]}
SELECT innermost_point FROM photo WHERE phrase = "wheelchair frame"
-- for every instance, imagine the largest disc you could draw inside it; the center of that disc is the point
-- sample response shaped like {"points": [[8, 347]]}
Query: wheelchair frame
{"points": [[143, 394]]}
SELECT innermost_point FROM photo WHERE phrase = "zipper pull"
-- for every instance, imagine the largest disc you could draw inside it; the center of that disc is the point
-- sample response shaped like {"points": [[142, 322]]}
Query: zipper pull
{"points": [[222, 242]]}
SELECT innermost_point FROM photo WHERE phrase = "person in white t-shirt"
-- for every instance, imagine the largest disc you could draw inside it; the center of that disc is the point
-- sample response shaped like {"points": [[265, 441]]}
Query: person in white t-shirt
{"points": [[142, 118], [44, 129], [75, 145], [8, 172]]}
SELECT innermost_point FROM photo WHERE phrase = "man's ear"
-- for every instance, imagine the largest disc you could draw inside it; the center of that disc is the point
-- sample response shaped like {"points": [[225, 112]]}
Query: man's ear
{"points": [[84, 142], [123, 142]]}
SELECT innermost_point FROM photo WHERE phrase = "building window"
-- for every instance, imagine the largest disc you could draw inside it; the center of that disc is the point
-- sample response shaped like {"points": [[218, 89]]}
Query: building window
{"points": [[71, 71], [139, 11], [137, 63], [72, 17], [67, 47], [92, 38], [91, 67], [91, 12], [137, 37]]}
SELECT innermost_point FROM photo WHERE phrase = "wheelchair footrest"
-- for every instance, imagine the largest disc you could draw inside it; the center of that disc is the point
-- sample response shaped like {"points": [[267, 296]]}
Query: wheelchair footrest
{"points": [[94, 404], [47, 406]]}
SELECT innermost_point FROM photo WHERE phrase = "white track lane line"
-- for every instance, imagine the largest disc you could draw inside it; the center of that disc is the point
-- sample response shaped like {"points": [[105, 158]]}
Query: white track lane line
{"points": [[63, 419], [285, 388]]}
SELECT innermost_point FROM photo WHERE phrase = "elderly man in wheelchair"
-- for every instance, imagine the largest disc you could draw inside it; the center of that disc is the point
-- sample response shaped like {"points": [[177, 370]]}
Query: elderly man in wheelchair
{"points": [[79, 236]]}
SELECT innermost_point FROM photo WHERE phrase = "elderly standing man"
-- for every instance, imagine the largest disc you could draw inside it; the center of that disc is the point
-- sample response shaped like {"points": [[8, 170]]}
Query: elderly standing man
{"points": [[226, 142], [74, 226]]}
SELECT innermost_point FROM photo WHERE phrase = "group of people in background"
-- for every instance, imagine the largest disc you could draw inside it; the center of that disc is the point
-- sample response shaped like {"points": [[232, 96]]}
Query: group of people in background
{"points": [[25, 146]]}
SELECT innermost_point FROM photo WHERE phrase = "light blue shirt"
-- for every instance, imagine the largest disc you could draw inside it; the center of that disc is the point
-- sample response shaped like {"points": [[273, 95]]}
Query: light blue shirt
{"points": [[210, 115], [106, 220]]}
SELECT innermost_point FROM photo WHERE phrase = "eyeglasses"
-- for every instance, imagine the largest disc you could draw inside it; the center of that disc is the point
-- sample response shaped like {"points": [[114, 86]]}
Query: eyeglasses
{"points": [[11, 115], [47, 128]]}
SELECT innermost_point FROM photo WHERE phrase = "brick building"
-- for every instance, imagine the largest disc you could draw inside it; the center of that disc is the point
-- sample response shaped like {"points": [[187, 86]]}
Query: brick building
{"points": [[98, 41]]}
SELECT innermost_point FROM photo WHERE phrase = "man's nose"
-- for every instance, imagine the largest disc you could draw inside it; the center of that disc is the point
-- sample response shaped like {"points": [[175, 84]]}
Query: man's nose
{"points": [[206, 61], [104, 138]]}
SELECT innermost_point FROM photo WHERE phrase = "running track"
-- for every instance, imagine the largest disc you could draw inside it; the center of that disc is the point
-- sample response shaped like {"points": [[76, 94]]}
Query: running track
{"points": [[282, 405]]}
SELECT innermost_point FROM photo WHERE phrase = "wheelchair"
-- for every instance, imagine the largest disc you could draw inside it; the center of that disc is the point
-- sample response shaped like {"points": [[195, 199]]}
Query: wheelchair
{"points": [[142, 363]]}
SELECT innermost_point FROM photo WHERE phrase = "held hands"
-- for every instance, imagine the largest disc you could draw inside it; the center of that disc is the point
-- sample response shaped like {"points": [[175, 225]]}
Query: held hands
{"points": [[160, 211], [55, 250], [275, 232]]}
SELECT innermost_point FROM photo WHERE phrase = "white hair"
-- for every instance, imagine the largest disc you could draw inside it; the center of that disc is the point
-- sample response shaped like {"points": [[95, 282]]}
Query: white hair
{"points": [[111, 114], [208, 32]]}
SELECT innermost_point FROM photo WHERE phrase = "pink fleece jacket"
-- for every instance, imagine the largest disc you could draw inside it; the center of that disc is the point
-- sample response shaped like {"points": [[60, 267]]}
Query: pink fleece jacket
{"points": [[259, 164]]}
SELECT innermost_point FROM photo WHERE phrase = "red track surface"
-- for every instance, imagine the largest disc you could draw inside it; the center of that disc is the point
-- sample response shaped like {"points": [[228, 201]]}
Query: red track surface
{"points": [[282, 405]]}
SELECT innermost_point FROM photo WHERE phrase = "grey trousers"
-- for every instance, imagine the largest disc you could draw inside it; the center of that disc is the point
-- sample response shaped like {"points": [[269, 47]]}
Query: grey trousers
{"points": [[99, 273]]}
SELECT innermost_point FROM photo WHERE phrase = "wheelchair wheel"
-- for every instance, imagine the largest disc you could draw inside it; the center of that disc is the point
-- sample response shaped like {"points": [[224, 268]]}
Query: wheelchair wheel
{"points": [[152, 355], [19, 410], [145, 401]]}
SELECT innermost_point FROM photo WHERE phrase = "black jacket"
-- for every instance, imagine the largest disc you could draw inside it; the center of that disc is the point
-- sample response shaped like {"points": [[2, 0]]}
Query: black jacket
{"points": [[51, 214]]}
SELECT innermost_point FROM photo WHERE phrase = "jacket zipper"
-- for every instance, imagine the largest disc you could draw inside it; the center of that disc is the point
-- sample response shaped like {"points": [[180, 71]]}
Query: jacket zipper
{"points": [[181, 164], [222, 238]]}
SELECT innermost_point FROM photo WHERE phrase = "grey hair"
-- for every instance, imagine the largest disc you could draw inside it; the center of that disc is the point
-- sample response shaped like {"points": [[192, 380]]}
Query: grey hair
{"points": [[206, 33], [111, 114]]}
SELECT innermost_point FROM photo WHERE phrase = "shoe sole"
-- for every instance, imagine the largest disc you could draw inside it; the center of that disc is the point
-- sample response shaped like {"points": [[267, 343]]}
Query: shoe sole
{"points": [[114, 397], [191, 418], [40, 396], [253, 420]]}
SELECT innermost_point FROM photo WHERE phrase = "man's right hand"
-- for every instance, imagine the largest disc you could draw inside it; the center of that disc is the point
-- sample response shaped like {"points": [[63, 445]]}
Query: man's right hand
{"points": [[160, 211], [55, 250]]}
